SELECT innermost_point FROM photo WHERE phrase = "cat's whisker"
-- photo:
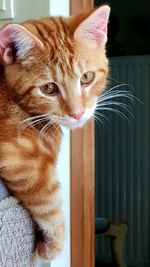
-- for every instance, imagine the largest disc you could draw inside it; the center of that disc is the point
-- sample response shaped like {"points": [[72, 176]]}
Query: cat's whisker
{"points": [[107, 100], [56, 129], [45, 128], [34, 120], [118, 112], [99, 120], [22, 126], [113, 90], [115, 94], [103, 117], [120, 85], [55, 123], [33, 123], [113, 79], [113, 104], [59, 118], [109, 92]]}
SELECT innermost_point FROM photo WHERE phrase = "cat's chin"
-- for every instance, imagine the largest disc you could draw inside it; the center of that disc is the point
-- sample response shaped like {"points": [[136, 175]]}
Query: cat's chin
{"points": [[77, 124], [73, 123]]}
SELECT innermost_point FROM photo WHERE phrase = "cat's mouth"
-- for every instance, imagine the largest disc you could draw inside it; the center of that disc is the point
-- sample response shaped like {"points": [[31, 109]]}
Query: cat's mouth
{"points": [[72, 122]]}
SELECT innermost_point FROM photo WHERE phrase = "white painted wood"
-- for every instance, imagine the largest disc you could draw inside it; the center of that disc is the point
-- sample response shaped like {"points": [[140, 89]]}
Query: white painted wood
{"points": [[2, 5], [27, 9], [58, 7], [62, 7], [6, 9]]}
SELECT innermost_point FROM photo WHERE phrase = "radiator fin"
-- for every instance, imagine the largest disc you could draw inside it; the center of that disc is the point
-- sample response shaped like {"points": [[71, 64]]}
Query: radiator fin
{"points": [[123, 162]]}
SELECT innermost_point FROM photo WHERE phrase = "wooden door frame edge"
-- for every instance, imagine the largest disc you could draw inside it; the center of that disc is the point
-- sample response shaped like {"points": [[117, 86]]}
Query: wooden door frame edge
{"points": [[82, 182]]}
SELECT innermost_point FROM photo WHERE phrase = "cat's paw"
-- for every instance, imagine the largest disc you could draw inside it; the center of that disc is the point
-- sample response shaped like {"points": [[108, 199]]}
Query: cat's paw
{"points": [[47, 252], [50, 248]]}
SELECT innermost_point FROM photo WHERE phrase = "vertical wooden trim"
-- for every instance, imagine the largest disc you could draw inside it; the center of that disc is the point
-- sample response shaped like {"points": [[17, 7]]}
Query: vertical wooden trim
{"points": [[82, 182], [77, 6], [82, 196], [87, 5]]}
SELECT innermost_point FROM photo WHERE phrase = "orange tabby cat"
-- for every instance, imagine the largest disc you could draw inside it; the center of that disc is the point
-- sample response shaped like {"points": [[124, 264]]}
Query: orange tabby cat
{"points": [[51, 73]]}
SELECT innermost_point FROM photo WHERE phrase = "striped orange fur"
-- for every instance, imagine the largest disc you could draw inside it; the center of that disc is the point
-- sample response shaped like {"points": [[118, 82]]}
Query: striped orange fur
{"points": [[52, 71]]}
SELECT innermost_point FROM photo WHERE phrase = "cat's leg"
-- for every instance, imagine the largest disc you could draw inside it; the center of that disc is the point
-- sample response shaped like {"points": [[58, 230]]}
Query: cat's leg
{"points": [[50, 219], [28, 169]]}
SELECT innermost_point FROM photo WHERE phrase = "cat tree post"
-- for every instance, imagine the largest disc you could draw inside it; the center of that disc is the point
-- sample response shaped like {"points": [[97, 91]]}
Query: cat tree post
{"points": [[17, 238]]}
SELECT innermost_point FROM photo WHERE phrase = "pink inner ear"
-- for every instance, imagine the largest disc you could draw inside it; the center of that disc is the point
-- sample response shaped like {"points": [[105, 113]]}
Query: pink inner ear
{"points": [[94, 28], [24, 40], [5, 49], [100, 37], [8, 56], [4, 38]]}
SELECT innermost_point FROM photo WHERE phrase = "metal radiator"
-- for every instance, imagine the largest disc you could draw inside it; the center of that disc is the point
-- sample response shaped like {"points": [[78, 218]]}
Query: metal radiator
{"points": [[123, 162]]}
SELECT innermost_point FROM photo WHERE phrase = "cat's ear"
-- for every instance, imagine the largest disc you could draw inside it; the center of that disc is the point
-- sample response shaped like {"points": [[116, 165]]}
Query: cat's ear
{"points": [[16, 41], [94, 28]]}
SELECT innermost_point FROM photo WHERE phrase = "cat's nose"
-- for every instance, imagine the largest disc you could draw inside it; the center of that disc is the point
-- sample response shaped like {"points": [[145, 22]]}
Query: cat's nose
{"points": [[78, 115]]}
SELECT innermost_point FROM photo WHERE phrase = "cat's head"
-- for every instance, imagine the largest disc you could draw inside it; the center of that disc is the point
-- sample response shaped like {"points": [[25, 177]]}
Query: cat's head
{"points": [[57, 66]]}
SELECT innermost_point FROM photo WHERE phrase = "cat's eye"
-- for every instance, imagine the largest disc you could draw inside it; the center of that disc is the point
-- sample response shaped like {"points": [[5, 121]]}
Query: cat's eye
{"points": [[50, 88], [87, 78]]}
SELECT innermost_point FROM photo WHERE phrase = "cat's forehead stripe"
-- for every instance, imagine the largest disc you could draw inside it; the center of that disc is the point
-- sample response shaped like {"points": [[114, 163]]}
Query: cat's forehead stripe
{"points": [[56, 38]]}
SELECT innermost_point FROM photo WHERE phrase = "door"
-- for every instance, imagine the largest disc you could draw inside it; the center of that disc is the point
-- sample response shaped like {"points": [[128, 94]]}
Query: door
{"points": [[16, 11]]}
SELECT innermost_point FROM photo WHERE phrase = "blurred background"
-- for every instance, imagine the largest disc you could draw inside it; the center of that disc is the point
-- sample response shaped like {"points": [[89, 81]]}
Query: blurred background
{"points": [[123, 144]]}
